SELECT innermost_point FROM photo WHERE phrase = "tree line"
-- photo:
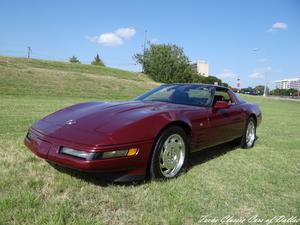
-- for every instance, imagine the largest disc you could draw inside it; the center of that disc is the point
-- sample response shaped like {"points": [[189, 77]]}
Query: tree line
{"points": [[284, 92], [259, 90], [97, 60], [165, 63]]}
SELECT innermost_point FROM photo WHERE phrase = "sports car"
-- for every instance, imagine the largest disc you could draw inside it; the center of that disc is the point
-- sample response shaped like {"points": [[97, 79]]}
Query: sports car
{"points": [[151, 136]]}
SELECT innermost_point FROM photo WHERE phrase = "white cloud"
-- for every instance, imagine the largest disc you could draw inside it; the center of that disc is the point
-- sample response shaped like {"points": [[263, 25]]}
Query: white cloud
{"points": [[113, 38], [278, 26], [260, 73], [125, 33], [109, 39], [227, 75], [257, 75], [106, 39]]}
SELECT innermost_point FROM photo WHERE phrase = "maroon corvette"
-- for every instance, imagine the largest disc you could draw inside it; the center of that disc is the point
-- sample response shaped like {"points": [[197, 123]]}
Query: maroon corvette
{"points": [[151, 135]]}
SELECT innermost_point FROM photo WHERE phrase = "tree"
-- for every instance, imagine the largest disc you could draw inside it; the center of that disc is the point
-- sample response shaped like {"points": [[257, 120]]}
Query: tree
{"points": [[212, 80], [260, 89], [167, 63], [283, 92], [249, 90], [97, 61], [74, 59]]}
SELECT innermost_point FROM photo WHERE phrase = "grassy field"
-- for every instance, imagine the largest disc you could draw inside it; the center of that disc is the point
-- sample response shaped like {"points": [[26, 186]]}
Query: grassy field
{"points": [[263, 181]]}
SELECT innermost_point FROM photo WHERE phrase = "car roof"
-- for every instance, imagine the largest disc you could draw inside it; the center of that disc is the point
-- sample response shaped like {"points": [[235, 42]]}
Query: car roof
{"points": [[198, 84]]}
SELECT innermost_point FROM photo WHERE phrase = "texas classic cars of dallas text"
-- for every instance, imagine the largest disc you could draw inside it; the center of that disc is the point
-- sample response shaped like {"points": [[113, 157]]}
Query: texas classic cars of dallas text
{"points": [[150, 136]]}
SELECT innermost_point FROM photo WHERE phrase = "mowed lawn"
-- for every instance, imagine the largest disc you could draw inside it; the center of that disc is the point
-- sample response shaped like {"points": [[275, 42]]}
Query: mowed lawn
{"points": [[263, 181]]}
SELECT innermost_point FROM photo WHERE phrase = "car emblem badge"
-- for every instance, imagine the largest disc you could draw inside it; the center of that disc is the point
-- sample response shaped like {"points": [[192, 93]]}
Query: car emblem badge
{"points": [[71, 122]]}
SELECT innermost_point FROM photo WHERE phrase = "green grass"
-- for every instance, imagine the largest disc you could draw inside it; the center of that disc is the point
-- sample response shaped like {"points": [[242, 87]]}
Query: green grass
{"points": [[40, 78], [263, 181]]}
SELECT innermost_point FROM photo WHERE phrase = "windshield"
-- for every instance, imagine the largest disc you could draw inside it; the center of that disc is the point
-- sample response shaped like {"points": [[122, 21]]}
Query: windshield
{"points": [[196, 95]]}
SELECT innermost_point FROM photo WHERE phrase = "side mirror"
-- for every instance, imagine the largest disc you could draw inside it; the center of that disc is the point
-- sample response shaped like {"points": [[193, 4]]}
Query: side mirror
{"points": [[221, 105]]}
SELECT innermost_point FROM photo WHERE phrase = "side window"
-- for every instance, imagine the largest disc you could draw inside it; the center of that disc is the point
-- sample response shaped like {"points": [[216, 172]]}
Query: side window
{"points": [[199, 96], [221, 95], [199, 93]]}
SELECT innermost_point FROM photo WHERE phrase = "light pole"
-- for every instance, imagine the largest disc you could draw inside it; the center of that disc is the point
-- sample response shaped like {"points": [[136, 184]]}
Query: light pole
{"points": [[28, 52], [265, 90]]}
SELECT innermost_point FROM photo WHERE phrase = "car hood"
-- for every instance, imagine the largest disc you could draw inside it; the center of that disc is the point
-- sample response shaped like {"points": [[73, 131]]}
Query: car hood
{"points": [[98, 119], [93, 116]]}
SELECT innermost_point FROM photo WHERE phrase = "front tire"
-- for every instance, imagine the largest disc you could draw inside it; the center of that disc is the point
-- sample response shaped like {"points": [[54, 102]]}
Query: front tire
{"points": [[249, 135], [170, 154]]}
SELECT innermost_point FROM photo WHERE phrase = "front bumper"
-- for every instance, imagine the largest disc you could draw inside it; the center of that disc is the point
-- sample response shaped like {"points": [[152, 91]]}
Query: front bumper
{"points": [[48, 148]]}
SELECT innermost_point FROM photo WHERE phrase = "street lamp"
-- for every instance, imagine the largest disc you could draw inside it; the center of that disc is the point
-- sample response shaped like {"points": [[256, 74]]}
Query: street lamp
{"points": [[265, 90]]}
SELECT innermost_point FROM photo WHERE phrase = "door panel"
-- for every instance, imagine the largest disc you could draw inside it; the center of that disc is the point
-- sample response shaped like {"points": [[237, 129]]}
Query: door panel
{"points": [[220, 125], [226, 124], [238, 121], [200, 128]]}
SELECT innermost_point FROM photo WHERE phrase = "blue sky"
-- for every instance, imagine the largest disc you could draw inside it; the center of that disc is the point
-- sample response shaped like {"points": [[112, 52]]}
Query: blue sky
{"points": [[257, 41]]}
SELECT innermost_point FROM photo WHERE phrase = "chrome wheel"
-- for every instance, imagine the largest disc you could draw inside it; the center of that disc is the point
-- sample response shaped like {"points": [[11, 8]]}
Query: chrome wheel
{"points": [[250, 134], [172, 155]]}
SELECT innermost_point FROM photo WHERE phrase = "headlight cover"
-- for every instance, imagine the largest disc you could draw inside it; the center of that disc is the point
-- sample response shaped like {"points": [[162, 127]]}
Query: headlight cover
{"points": [[98, 155], [119, 153], [114, 154], [77, 153]]}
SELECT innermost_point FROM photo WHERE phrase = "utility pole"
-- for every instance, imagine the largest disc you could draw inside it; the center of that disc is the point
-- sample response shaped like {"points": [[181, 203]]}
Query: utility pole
{"points": [[29, 52], [145, 41], [144, 50]]}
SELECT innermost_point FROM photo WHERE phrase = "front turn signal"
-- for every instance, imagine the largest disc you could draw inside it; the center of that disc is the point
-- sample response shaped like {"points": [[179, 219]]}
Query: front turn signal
{"points": [[132, 151]]}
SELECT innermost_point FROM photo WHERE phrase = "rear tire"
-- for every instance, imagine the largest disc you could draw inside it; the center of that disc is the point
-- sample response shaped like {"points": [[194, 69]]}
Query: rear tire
{"points": [[170, 154], [249, 135]]}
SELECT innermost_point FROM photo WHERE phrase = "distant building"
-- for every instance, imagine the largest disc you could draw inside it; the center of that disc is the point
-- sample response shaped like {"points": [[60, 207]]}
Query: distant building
{"points": [[201, 67], [288, 83]]}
